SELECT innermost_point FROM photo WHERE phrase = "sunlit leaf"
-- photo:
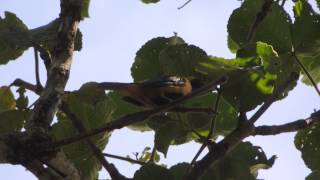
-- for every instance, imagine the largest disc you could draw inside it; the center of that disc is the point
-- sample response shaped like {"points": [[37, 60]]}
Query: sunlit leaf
{"points": [[7, 101]]}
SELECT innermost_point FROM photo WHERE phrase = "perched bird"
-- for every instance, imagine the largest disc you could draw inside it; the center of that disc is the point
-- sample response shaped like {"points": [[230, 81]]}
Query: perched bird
{"points": [[154, 92]]}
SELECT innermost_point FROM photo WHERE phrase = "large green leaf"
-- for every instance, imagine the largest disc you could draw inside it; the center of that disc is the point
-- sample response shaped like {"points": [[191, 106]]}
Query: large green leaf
{"points": [[243, 162], [123, 108], [146, 64], [307, 142], [181, 59], [274, 29], [154, 172], [306, 39], [305, 31], [13, 37], [93, 108]]}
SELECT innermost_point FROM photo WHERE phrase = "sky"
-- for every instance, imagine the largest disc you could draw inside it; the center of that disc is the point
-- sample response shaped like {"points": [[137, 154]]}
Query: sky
{"points": [[111, 37]]}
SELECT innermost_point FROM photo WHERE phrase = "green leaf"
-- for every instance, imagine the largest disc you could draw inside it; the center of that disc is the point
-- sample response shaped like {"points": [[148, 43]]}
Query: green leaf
{"points": [[233, 46], [315, 175], [305, 31], [14, 38], [313, 66], [243, 162], [150, 1], [165, 136], [246, 87], [154, 172], [146, 64], [181, 59], [12, 120], [298, 8], [274, 29], [85, 9], [307, 142], [7, 101], [93, 108], [123, 108], [179, 170], [22, 101], [306, 39]]}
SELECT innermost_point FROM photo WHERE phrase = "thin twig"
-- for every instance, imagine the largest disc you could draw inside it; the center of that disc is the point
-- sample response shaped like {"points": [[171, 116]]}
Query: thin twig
{"points": [[184, 4], [36, 59], [124, 159], [153, 154], [293, 77], [139, 116], [258, 19], [211, 131], [307, 73], [282, 3]]}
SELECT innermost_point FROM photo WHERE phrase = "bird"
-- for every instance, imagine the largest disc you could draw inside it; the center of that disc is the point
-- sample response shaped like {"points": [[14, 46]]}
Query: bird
{"points": [[154, 92]]}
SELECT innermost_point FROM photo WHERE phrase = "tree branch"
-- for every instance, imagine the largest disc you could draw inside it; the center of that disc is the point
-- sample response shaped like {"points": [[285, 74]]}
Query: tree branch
{"points": [[124, 159], [288, 127], [140, 116], [47, 104], [184, 4]]}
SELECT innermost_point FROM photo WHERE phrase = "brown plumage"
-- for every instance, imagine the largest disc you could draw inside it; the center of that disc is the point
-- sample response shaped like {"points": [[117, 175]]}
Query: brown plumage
{"points": [[153, 93]]}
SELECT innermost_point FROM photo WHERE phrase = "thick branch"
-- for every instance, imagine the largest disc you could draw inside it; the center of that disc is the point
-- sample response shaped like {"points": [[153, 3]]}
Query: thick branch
{"points": [[140, 116], [47, 104]]}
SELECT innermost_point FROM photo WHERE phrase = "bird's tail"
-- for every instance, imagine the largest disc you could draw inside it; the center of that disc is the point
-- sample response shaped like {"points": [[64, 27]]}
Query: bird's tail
{"points": [[114, 85]]}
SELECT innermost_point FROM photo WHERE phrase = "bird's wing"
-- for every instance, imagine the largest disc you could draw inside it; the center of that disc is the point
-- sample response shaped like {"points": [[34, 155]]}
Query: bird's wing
{"points": [[164, 81]]}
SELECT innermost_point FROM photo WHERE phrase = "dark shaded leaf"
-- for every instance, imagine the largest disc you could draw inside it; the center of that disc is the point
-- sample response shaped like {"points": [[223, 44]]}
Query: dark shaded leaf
{"points": [[243, 162], [150, 1], [307, 142], [12, 120], [146, 64], [93, 108], [154, 172], [274, 29], [14, 38]]}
